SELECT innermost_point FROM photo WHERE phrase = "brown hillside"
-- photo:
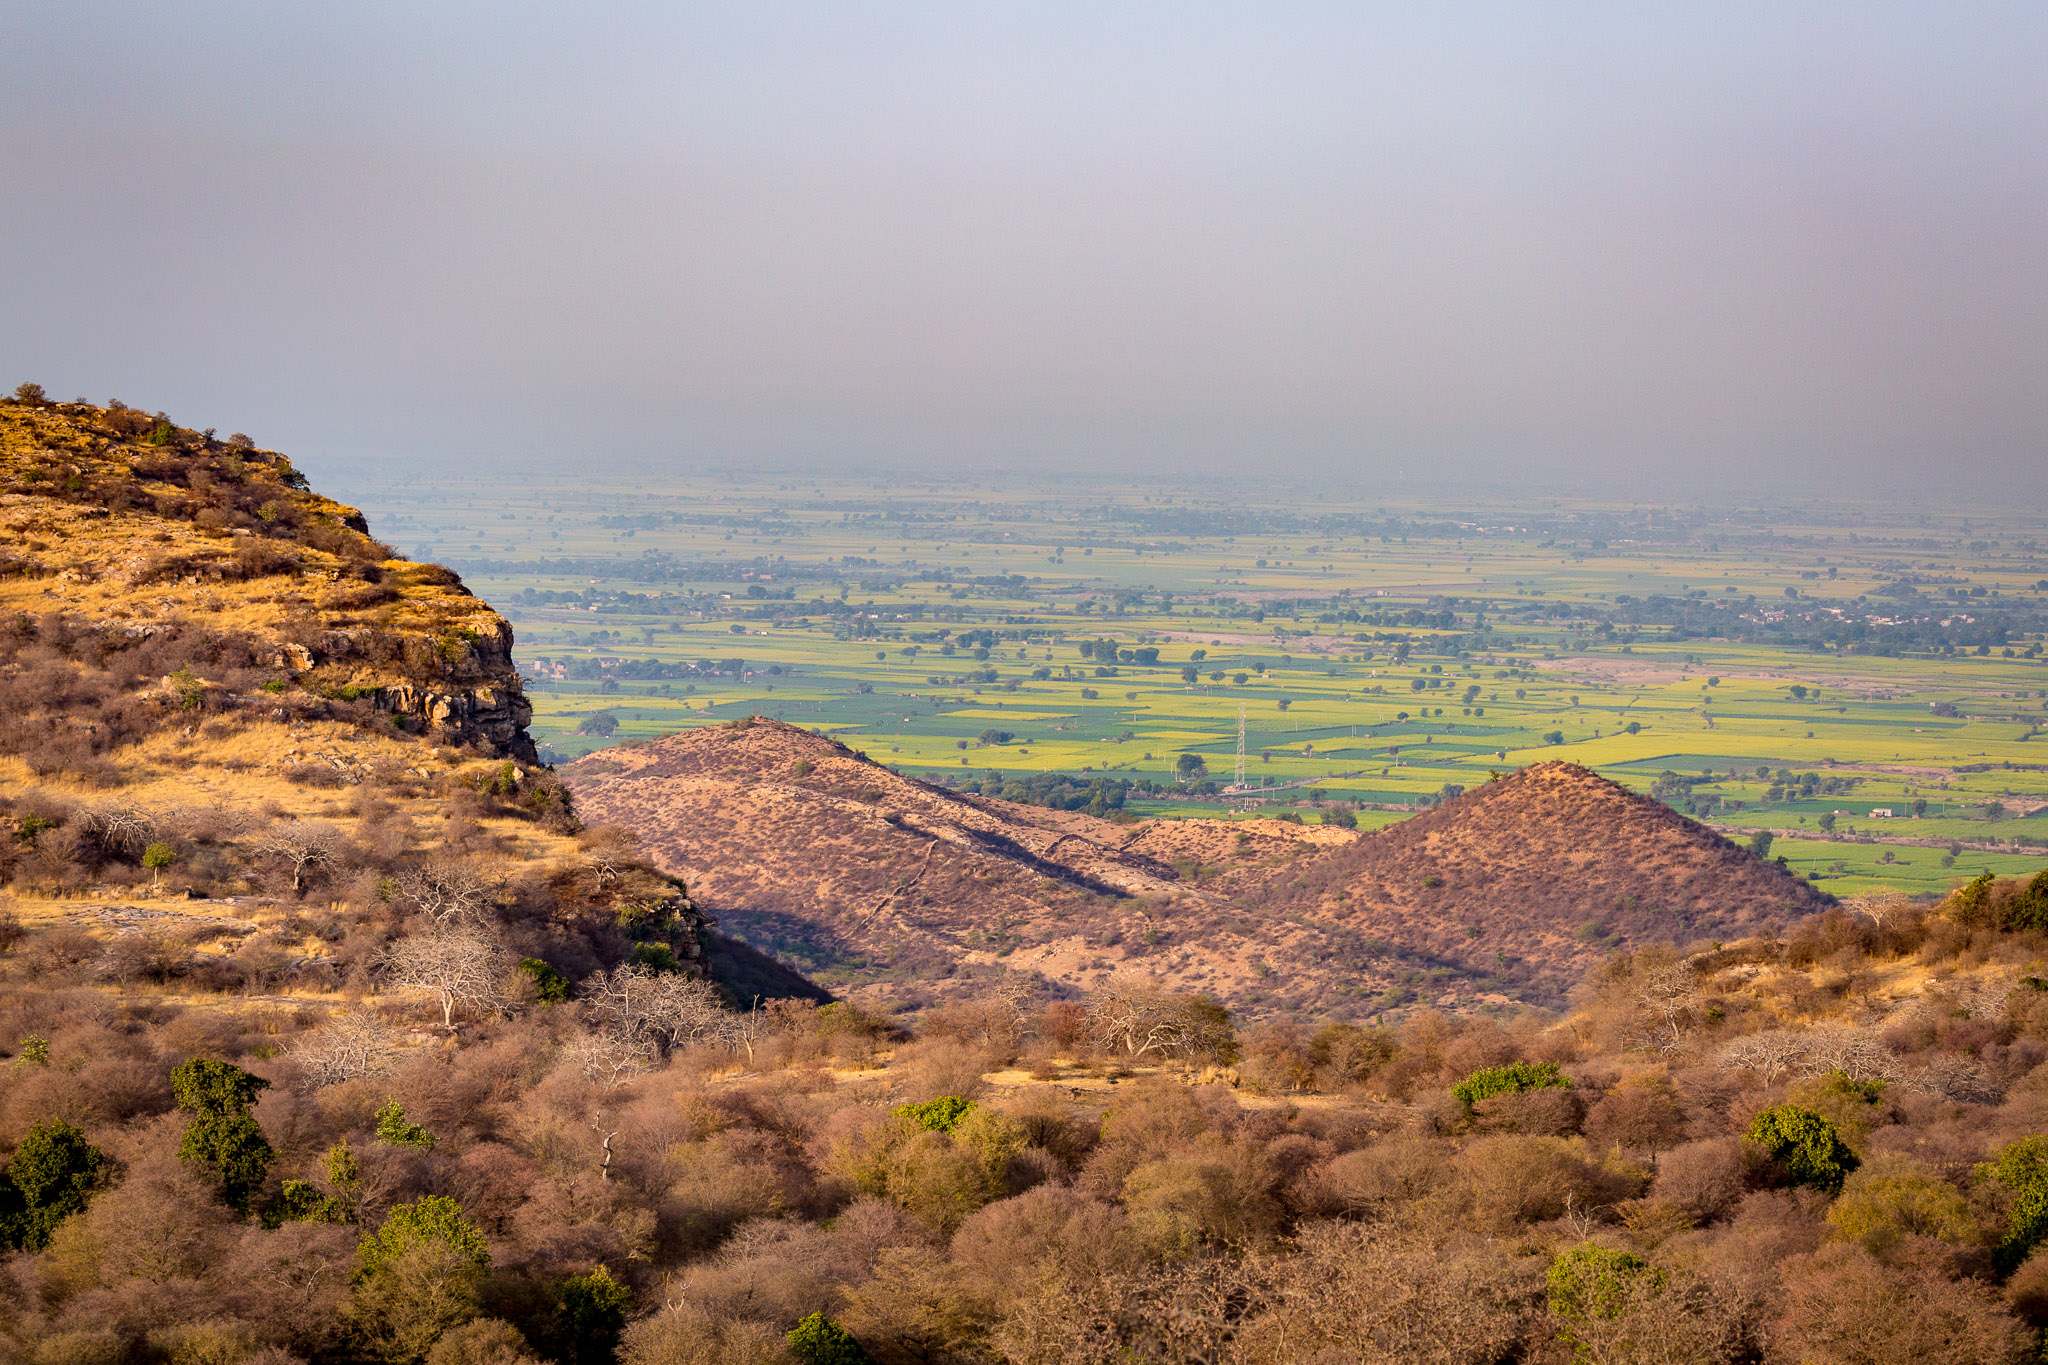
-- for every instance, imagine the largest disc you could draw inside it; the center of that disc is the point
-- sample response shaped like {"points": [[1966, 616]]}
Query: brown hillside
{"points": [[209, 668], [1549, 865], [128, 535], [911, 893]]}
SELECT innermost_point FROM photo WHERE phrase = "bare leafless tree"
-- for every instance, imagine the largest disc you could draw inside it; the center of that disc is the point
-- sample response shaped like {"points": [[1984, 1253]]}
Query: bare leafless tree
{"points": [[1770, 1052], [122, 829], [611, 1061], [1957, 1078], [1139, 1017], [301, 847], [351, 1044], [461, 968], [1668, 1003], [448, 893], [610, 851], [999, 1014], [666, 1009], [1856, 1053], [1879, 907]]}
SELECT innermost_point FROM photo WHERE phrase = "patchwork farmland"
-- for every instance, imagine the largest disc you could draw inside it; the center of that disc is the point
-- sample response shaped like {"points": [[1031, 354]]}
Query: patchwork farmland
{"points": [[1866, 691]]}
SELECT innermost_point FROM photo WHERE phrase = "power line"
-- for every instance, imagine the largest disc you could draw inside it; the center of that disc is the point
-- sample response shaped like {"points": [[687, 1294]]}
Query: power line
{"points": [[1240, 745]]}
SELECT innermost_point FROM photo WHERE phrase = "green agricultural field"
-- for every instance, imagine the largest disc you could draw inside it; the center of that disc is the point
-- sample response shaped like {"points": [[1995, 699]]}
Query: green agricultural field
{"points": [[1792, 670]]}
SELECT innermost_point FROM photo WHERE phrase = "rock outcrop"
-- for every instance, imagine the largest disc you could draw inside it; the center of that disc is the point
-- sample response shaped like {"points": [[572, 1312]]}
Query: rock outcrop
{"points": [[127, 525]]}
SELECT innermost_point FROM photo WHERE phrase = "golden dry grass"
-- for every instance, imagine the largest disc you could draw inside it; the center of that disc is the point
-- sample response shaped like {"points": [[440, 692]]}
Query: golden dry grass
{"points": [[126, 565]]}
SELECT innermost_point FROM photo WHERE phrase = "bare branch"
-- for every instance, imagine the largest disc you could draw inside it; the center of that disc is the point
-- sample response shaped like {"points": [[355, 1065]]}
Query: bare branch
{"points": [[1140, 1017], [1772, 1052], [448, 893], [461, 969], [1879, 907], [351, 1044], [664, 1009], [300, 847], [610, 1061]]}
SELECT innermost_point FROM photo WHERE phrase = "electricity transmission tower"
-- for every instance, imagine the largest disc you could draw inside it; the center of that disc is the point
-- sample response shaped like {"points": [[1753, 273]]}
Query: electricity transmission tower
{"points": [[1240, 744]]}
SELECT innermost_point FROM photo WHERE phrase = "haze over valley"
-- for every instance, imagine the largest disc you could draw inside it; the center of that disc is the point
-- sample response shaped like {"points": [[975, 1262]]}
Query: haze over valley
{"points": [[908, 685]]}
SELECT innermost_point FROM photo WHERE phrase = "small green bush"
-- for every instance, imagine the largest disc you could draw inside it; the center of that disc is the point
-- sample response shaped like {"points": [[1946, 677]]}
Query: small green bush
{"points": [[941, 1115], [393, 1130], [300, 1201], [191, 689], [431, 1219], [590, 1313], [1595, 1283], [50, 1177], [656, 957], [1512, 1079], [1804, 1145], [550, 987]]}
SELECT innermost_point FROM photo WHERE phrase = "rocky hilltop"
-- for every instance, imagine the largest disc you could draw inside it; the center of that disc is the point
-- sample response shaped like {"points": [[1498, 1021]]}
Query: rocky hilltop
{"points": [[132, 529], [911, 893], [223, 703]]}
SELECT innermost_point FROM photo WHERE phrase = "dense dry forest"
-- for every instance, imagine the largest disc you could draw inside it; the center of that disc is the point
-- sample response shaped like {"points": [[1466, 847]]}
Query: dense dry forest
{"points": [[1760, 1151]]}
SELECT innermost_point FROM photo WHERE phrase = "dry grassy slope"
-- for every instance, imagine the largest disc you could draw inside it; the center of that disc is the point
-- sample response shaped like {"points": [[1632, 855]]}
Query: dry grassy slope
{"points": [[138, 538], [910, 892], [124, 537]]}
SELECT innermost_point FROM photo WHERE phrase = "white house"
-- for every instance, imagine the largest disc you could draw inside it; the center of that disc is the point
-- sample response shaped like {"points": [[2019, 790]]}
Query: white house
{"points": [[1880, 812]]}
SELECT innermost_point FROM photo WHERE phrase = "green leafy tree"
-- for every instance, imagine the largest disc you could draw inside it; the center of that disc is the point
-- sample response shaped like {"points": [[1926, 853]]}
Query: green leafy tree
{"points": [[1804, 1145], [301, 1201], [590, 1313], [418, 1275], [1892, 1197], [817, 1340], [431, 1220], [1191, 767], [345, 1178], [2022, 1168], [33, 1052], [223, 1138], [1595, 1284], [395, 1131], [1512, 1079], [1970, 903], [2030, 910], [1760, 843], [52, 1175], [550, 987], [156, 858]]}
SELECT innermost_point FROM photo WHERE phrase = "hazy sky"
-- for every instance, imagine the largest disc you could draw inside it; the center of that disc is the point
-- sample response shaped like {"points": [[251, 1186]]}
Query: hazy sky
{"points": [[1600, 246]]}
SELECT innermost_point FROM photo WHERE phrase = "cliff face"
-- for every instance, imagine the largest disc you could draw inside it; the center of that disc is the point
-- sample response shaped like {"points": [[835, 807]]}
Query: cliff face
{"points": [[467, 694], [126, 524]]}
